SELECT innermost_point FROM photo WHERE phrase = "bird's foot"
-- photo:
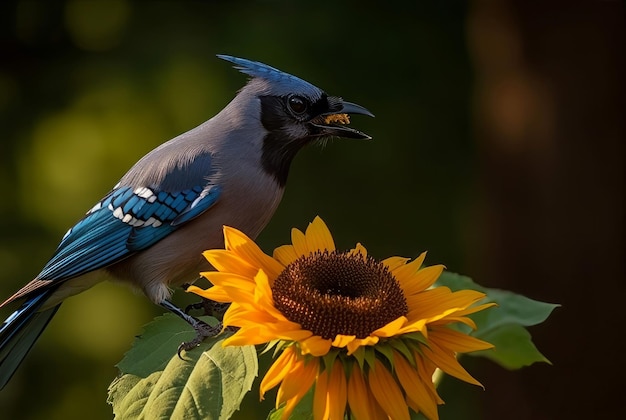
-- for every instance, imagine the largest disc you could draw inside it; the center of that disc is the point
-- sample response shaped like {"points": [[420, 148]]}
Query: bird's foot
{"points": [[203, 331], [210, 307], [195, 306]]}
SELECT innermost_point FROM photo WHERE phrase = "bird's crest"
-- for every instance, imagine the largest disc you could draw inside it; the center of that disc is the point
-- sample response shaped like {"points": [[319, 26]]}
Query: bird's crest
{"points": [[263, 71]]}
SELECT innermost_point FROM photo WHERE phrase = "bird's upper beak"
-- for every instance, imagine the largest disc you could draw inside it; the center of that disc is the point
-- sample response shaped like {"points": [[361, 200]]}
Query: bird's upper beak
{"points": [[336, 123]]}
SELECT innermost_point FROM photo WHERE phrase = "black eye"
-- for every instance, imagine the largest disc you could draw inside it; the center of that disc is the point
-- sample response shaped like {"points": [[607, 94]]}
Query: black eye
{"points": [[297, 104]]}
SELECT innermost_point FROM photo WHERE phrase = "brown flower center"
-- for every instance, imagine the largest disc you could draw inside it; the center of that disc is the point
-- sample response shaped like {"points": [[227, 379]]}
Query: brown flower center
{"points": [[330, 293]]}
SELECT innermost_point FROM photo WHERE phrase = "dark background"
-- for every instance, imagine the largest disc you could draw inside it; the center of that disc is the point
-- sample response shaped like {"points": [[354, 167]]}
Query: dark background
{"points": [[498, 147]]}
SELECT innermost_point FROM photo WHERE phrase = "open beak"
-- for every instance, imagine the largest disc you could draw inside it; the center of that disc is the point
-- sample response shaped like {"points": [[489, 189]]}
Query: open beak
{"points": [[336, 123]]}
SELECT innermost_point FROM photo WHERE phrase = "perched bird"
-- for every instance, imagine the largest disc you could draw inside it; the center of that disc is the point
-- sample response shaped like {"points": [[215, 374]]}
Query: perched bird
{"points": [[150, 230]]}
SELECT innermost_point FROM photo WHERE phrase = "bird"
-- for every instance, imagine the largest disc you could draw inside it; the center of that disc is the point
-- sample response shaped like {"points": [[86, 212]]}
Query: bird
{"points": [[150, 230]]}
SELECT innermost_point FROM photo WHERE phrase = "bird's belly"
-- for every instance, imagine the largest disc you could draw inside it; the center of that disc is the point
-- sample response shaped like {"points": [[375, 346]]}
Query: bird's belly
{"points": [[73, 287]]}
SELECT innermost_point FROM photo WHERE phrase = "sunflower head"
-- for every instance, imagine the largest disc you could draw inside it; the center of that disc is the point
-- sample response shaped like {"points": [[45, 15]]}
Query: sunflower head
{"points": [[368, 334], [331, 293]]}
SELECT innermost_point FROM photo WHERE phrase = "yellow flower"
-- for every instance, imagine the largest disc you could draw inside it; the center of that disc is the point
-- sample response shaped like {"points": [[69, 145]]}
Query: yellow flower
{"points": [[367, 334]]}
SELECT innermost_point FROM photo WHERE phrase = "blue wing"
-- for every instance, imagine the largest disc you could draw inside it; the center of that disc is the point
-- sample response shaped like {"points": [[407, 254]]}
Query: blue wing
{"points": [[127, 220]]}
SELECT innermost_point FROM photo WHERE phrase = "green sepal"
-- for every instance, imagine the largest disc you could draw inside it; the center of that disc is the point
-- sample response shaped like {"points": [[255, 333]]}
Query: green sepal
{"points": [[370, 357], [359, 355], [385, 350], [416, 336], [399, 345], [329, 358]]}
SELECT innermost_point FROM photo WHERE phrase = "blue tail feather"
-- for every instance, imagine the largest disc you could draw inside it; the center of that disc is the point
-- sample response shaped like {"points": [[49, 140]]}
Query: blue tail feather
{"points": [[20, 331]]}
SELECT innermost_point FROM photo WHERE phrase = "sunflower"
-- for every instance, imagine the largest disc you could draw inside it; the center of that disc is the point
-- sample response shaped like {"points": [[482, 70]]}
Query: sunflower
{"points": [[367, 334]]}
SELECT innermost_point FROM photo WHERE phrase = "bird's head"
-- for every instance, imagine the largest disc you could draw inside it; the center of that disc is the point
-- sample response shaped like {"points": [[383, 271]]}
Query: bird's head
{"points": [[294, 113]]}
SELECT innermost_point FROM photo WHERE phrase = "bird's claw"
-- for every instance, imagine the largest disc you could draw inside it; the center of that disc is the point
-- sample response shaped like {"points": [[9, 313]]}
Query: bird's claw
{"points": [[210, 307], [194, 306], [203, 331]]}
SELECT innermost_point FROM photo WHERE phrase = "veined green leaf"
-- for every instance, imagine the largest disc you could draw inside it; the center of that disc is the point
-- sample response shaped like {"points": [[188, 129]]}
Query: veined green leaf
{"points": [[503, 326], [154, 383]]}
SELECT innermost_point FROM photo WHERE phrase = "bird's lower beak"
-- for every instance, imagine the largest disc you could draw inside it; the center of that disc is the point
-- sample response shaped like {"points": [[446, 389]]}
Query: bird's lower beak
{"points": [[336, 124]]}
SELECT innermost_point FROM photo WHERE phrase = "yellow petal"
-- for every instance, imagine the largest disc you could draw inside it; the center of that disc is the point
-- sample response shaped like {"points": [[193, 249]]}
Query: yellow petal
{"points": [[306, 381], [261, 334], [391, 328], [427, 276], [459, 316], [241, 296], [423, 279], [289, 331], [415, 390], [426, 369], [318, 236], [213, 293], [228, 279], [362, 404], [242, 316], [415, 326], [449, 319], [263, 295], [285, 254], [249, 251], [446, 361], [404, 273], [387, 392], [315, 346], [436, 303], [299, 243], [434, 315], [427, 299], [297, 383], [321, 408], [276, 373], [360, 342], [263, 323], [452, 319], [337, 388], [392, 263], [476, 308], [343, 340], [228, 262], [358, 395], [247, 336], [359, 250], [457, 341]]}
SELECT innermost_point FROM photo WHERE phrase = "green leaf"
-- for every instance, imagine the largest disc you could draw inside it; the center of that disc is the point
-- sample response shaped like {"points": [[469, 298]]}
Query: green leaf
{"points": [[513, 347], [155, 383], [503, 326], [513, 308]]}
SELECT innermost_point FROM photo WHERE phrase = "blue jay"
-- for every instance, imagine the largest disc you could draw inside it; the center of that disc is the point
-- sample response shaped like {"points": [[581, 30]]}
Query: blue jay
{"points": [[150, 230]]}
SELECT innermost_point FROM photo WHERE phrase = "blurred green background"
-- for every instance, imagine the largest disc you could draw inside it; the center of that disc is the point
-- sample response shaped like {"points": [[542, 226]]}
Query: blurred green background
{"points": [[498, 147]]}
